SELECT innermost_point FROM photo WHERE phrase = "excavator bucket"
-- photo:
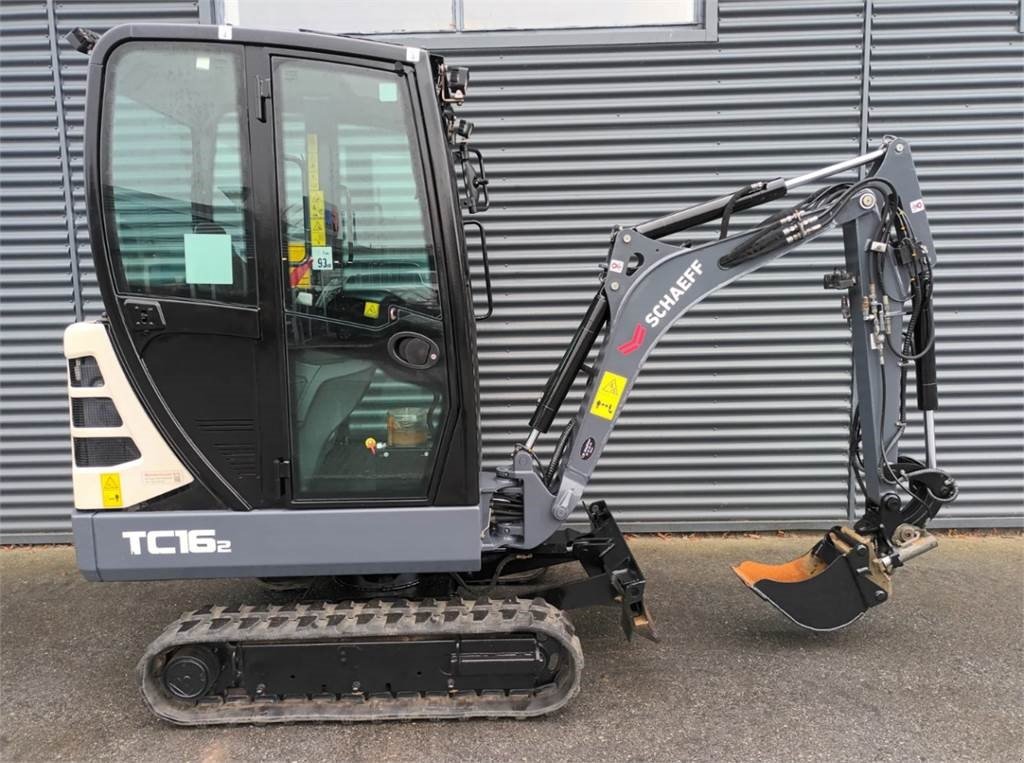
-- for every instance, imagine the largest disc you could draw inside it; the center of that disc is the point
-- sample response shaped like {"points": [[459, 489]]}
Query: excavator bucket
{"points": [[827, 588]]}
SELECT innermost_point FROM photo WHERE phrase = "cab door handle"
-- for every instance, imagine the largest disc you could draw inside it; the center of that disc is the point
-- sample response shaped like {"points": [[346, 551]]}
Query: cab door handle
{"points": [[262, 96], [414, 350]]}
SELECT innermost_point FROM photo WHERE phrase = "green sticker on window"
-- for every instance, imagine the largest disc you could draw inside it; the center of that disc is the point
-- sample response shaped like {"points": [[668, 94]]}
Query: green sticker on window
{"points": [[208, 258], [387, 92]]}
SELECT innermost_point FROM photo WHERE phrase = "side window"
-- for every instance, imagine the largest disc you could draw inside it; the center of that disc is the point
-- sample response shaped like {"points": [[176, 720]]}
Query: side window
{"points": [[353, 206], [361, 281], [175, 189]]}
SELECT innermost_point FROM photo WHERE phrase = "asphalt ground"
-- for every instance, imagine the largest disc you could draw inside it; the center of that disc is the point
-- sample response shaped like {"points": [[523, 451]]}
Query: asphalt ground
{"points": [[936, 674]]}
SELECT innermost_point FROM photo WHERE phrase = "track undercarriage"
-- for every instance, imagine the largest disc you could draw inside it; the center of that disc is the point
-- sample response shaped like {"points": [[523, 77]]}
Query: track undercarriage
{"points": [[462, 653], [379, 660]]}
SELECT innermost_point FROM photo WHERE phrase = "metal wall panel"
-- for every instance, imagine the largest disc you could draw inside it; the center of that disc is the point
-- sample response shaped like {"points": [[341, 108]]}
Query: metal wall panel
{"points": [[36, 295], [739, 419], [740, 415], [949, 75], [43, 225]]}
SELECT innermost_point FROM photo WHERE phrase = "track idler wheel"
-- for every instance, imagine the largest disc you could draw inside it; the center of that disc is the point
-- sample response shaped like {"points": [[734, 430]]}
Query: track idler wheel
{"points": [[828, 587], [191, 672]]}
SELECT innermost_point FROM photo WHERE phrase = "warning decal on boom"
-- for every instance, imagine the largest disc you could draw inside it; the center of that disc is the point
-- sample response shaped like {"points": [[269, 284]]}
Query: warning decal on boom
{"points": [[609, 392]]}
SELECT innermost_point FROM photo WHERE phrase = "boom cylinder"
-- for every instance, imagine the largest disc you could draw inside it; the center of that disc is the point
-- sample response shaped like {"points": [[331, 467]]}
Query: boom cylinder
{"points": [[927, 382], [771, 189], [568, 367], [710, 210]]}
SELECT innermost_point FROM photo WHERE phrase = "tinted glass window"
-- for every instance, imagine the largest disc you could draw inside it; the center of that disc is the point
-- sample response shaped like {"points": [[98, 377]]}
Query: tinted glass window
{"points": [[354, 210], [361, 281], [175, 188]]}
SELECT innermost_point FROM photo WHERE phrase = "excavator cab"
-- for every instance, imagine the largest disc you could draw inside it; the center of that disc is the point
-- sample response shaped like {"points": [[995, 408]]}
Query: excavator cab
{"points": [[284, 384], [280, 252]]}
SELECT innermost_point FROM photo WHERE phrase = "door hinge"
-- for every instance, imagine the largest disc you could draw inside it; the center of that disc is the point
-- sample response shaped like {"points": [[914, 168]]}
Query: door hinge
{"points": [[284, 476], [262, 96]]}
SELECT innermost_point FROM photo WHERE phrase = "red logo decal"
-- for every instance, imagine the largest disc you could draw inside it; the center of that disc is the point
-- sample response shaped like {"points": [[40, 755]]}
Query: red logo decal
{"points": [[636, 342], [298, 271]]}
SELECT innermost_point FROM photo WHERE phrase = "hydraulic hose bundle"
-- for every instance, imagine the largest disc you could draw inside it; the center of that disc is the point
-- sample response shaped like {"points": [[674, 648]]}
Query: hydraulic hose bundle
{"points": [[813, 215]]}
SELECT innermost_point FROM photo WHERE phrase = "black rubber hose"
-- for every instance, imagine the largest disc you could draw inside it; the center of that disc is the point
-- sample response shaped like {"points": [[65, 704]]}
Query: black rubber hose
{"points": [[556, 457]]}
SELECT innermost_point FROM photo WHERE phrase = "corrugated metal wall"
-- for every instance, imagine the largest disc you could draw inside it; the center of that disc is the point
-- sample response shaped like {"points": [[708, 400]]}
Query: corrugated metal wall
{"points": [[739, 420], [740, 414], [43, 227], [35, 278], [948, 75]]}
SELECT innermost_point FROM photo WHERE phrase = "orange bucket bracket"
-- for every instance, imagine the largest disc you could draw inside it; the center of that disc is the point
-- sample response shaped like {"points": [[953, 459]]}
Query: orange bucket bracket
{"points": [[827, 588]]}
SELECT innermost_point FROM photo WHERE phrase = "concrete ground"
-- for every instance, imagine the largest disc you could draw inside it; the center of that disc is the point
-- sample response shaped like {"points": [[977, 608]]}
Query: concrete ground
{"points": [[935, 675]]}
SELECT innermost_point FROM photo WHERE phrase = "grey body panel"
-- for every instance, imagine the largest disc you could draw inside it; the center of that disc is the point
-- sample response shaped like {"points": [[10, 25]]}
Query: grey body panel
{"points": [[279, 543]]}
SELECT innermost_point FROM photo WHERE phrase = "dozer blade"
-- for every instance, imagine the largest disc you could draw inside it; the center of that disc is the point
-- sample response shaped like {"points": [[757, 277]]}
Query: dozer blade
{"points": [[827, 588]]}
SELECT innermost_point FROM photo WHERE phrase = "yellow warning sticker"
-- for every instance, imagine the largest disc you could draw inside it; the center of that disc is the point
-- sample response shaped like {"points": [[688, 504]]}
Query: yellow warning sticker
{"points": [[316, 205], [110, 486], [317, 231], [371, 310], [313, 161], [609, 392], [296, 252]]}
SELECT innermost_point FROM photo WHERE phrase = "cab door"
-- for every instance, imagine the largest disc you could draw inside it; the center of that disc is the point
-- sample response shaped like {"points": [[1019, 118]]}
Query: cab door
{"points": [[182, 273], [366, 350]]}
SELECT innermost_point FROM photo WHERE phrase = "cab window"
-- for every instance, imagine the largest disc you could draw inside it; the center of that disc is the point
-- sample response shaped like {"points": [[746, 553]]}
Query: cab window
{"points": [[175, 190], [354, 212], [361, 280]]}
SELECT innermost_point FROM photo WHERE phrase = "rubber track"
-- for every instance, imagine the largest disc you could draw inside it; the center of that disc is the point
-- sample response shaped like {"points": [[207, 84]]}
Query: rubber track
{"points": [[348, 620]]}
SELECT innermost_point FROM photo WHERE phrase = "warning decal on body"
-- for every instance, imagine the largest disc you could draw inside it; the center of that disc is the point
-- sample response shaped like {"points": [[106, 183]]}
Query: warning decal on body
{"points": [[609, 392], [110, 486]]}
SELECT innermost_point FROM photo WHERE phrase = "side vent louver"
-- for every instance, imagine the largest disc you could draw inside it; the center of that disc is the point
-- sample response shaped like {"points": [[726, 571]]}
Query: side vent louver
{"points": [[85, 372], [104, 451], [94, 412]]}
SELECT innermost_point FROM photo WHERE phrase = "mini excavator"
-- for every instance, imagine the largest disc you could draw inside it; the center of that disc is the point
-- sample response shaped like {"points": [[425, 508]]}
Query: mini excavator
{"points": [[284, 383]]}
